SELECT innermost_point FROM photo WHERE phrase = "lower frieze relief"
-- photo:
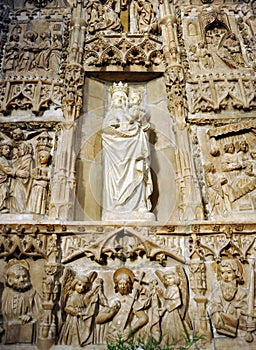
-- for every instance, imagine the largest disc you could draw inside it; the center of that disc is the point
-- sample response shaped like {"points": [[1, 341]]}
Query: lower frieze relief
{"points": [[123, 289]]}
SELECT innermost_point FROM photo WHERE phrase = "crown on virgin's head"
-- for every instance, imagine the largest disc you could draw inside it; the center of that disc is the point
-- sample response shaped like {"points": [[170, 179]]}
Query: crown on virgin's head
{"points": [[119, 87]]}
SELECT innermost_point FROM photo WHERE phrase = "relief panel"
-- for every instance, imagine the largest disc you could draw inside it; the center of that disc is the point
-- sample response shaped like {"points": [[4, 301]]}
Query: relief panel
{"points": [[25, 169], [228, 162]]}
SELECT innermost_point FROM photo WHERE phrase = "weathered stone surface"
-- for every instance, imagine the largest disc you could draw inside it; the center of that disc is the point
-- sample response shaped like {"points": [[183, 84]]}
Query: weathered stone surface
{"points": [[127, 173]]}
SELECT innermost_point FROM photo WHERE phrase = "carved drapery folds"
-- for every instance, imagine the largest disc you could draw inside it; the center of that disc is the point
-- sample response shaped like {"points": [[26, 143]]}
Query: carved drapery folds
{"points": [[189, 67], [25, 170], [229, 170], [82, 295]]}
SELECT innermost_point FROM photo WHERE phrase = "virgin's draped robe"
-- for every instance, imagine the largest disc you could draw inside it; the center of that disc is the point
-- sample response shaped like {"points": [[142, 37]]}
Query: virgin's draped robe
{"points": [[128, 182]]}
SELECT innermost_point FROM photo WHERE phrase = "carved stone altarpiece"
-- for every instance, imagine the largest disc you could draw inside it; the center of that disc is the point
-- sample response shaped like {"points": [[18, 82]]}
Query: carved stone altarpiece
{"points": [[127, 173]]}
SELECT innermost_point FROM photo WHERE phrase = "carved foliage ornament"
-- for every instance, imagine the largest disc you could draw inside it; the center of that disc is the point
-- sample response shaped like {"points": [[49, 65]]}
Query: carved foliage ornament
{"points": [[123, 50], [120, 244], [217, 94], [225, 245], [30, 94], [39, 3]]}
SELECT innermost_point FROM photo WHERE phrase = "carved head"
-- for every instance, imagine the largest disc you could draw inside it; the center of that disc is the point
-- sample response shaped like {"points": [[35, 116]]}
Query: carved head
{"points": [[229, 148], [80, 284], [201, 44], [18, 277], [135, 98], [18, 135], [253, 154], [5, 149], [14, 37], [24, 148], [30, 35], [119, 100], [230, 270], [119, 94], [192, 48], [243, 146], [123, 280], [44, 35], [170, 278], [44, 157]]}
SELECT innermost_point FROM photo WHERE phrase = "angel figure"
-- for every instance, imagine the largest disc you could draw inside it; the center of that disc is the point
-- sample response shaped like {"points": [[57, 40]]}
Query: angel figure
{"points": [[80, 303], [173, 306]]}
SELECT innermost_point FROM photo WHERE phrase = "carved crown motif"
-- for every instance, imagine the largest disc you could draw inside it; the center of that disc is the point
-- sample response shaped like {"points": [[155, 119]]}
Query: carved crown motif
{"points": [[44, 142], [119, 87]]}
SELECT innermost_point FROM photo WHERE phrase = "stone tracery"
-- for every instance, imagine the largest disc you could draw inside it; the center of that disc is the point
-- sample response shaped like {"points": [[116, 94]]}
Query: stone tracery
{"points": [[190, 69]]}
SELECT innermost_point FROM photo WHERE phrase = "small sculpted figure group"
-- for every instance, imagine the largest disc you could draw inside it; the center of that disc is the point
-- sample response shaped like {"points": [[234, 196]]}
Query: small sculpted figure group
{"points": [[220, 47], [102, 17], [137, 307], [106, 17], [234, 180], [91, 318], [33, 51], [23, 187]]}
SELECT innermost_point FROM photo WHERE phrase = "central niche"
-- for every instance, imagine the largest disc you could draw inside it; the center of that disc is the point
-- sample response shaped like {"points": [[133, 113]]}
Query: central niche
{"points": [[153, 196]]}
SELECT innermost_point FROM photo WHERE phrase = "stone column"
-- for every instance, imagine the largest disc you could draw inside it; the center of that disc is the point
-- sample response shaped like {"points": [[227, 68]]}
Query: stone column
{"points": [[64, 181], [189, 199]]}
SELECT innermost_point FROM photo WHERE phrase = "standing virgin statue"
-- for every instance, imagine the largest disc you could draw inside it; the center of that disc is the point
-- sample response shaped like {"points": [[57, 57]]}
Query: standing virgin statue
{"points": [[126, 154]]}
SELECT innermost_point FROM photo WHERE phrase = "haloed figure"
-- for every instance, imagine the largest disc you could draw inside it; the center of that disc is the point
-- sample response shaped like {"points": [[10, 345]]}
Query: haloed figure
{"points": [[126, 316]]}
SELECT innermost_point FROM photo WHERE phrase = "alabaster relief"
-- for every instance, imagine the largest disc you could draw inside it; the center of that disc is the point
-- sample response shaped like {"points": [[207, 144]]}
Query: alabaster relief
{"points": [[100, 17], [228, 320], [86, 305], [219, 46], [222, 47], [164, 94], [20, 305], [127, 183], [32, 58], [229, 171], [28, 50], [146, 18], [25, 171], [108, 16], [137, 304]]}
